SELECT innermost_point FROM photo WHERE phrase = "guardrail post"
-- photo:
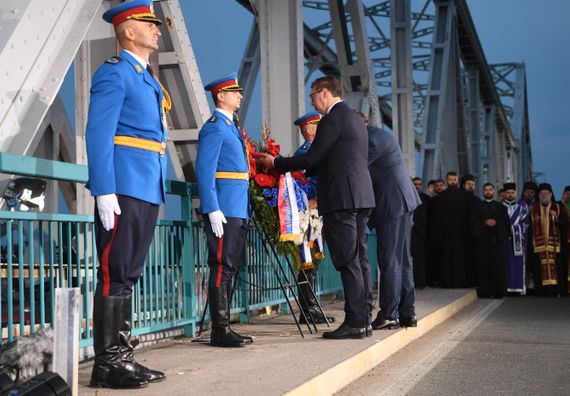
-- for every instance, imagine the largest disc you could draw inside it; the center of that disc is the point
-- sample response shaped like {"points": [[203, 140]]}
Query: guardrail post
{"points": [[188, 267], [244, 290], [66, 336]]}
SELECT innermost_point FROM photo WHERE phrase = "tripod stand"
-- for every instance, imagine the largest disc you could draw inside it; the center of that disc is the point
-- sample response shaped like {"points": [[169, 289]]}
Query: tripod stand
{"points": [[283, 273]]}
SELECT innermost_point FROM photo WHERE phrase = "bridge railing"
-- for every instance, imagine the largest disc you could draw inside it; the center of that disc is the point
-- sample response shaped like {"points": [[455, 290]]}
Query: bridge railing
{"points": [[40, 252]]}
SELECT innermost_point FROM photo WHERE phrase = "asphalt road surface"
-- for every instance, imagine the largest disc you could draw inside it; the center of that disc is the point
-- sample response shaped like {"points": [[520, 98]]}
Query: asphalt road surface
{"points": [[515, 346]]}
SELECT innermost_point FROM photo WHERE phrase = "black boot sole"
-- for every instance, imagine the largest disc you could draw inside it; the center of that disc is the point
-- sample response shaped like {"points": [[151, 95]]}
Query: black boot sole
{"points": [[228, 346], [98, 384], [350, 337]]}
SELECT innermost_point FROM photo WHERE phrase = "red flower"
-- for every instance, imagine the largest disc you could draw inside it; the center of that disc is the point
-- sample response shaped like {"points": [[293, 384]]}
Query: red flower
{"points": [[265, 180], [272, 148], [298, 175]]}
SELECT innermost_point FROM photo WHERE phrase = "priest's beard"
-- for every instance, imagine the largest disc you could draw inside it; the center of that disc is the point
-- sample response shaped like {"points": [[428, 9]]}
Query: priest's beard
{"points": [[545, 202]]}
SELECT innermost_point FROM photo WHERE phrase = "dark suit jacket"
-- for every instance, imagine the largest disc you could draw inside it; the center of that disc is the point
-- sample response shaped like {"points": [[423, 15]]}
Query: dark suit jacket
{"points": [[393, 189], [338, 155]]}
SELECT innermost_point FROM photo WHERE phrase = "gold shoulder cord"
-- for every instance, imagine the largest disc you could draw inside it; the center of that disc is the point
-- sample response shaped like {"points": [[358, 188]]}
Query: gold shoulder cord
{"points": [[166, 101]]}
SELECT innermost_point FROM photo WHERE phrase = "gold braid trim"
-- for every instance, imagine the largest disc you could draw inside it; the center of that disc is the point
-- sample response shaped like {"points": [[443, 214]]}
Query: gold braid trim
{"points": [[166, 101]]}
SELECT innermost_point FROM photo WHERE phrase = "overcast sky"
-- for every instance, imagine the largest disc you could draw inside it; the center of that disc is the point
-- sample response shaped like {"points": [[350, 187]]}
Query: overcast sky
{"points": [[537, 33], [530, 31]]}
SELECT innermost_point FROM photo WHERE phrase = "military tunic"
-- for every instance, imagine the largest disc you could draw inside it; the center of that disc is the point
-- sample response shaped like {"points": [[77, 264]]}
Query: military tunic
{"points": [[126, 100], [221, 148]]}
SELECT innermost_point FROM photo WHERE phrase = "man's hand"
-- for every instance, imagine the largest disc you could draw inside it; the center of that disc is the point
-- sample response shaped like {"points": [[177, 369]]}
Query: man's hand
{"points": [[490, 222], [108, 206], [217, 219], [266, 161], [312, 203]]}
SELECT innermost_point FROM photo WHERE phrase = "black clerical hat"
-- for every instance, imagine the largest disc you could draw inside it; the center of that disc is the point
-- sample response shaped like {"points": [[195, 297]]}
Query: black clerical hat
{"points": [[509, 186], [567, 188], [530, 185], [544, 186]]}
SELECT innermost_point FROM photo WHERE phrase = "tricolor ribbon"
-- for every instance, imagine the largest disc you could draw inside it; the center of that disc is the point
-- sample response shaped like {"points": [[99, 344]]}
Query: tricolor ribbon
{"points": [[288, 209]]}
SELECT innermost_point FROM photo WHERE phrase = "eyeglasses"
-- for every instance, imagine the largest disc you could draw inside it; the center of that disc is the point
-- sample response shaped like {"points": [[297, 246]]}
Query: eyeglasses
{"points": [[312, 94]]}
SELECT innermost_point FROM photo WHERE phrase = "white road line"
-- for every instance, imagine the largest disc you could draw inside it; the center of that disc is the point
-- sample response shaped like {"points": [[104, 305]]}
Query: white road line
{"points": [[404, 384]]}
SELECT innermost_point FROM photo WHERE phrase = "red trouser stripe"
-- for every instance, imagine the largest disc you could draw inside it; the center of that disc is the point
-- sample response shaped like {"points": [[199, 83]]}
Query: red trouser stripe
{"points": [[219, 259], [105, 263]]}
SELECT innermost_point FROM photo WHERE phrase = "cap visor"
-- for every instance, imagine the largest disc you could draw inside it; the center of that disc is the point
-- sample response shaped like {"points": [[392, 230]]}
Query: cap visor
{"points": [[154, 20]]}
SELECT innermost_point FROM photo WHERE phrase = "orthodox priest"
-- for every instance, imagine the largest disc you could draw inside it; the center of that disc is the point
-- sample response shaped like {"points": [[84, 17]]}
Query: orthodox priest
{"points": [[565, 235], [451, 231], [490, 228], [516, 245], [419, 237], [532, 266], [546, 220]]}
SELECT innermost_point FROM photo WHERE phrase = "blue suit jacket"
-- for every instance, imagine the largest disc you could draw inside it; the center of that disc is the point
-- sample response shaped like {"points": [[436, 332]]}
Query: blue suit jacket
{"points": [[125, 100], [394, 191], [221, 148]]}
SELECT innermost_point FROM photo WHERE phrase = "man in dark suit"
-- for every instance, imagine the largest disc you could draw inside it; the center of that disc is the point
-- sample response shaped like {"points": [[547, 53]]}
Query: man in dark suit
{"points": [[338, 157], [419, 236], [396, 199]]}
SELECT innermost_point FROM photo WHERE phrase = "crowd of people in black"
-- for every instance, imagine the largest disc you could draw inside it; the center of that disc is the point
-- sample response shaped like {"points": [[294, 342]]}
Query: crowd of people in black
{"points": [[502, 243]]}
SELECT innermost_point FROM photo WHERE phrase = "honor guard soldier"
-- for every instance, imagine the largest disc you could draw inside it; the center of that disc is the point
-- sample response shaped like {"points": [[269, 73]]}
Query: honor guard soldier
{"points": [[126, 137], [308, 126], [223, 187]]}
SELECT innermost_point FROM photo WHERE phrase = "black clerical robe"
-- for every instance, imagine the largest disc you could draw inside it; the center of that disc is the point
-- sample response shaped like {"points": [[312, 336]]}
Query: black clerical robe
{"points": [[490, 242], [450, 237], [419, 245], [473, 203]]}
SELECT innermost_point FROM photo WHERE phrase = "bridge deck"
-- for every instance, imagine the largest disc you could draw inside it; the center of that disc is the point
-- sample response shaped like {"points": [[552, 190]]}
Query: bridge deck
{"points": [[281, 361]]}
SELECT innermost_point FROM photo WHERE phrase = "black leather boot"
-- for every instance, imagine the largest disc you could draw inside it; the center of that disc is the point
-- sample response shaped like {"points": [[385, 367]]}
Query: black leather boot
{"points": [[112, 367], [219, 316], [247, 338], [125, 333], [309, 304]]}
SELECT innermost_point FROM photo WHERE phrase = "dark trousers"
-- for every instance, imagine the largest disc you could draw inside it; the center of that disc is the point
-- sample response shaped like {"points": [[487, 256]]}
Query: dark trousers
{"points": [[122, 251], [224, 253], [396, 270], [345, 235]]}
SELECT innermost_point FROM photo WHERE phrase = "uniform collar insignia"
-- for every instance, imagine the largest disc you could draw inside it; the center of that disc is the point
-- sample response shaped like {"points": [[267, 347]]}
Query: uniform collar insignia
{"points": [[228, 122], [138, 68]]}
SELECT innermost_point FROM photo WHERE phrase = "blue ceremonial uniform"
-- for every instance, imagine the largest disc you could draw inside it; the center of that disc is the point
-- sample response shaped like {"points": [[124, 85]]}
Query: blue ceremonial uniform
{"points": [[126, 100], [221, 148], [125, 136]]}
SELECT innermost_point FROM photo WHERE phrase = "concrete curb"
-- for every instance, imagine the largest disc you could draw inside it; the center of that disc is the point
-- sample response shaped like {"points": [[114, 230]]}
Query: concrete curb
{"points": [[339, 376]]}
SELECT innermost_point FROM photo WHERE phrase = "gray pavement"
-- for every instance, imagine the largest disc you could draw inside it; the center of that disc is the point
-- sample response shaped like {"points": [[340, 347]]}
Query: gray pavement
{"points": [[515, 346], [278, 361]]}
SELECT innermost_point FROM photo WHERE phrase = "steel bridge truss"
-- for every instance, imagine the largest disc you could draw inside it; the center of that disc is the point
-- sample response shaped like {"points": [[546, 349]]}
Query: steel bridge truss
{"points": [[414, 66]]}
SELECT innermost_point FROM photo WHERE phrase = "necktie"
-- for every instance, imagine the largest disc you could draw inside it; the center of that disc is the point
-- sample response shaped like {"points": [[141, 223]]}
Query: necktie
{"points": [[236, 121], [149, 69]]}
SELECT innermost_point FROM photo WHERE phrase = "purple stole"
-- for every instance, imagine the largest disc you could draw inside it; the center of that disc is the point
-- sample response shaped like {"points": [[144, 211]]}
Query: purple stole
{"points": [[518, 227]]}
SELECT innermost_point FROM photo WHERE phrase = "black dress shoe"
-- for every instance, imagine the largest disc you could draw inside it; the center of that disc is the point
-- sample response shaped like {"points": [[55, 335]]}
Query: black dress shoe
{"points": [[223, 337], [344, 331], [369, 330], [246, 338], [408, 321], [148, 374], [385, 324]]}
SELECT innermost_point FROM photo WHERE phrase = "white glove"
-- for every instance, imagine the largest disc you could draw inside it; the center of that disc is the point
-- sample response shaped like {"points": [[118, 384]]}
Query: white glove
{"points": [[217, 218], [107, 206]]}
